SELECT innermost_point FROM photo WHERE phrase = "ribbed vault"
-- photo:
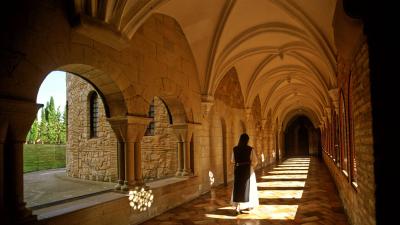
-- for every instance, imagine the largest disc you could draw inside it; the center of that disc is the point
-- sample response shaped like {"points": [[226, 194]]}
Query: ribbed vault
{"points": [[283, 51]]}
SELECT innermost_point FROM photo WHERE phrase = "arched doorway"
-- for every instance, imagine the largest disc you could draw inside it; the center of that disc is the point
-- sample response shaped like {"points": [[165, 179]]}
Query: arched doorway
{"points": [[299, 136], [72, 138]]}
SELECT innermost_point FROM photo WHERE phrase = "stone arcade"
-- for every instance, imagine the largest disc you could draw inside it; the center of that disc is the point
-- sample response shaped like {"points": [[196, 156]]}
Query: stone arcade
{"points": [[310, 77]]}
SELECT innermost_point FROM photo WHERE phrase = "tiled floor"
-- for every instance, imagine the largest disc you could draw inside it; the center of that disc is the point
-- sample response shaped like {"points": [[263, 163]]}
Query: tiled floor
{"points": [[297, 191]]}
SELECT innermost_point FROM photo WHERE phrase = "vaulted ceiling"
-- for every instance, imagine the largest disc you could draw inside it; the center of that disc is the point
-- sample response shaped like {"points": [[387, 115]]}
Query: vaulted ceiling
{"points": [[283, 50]]}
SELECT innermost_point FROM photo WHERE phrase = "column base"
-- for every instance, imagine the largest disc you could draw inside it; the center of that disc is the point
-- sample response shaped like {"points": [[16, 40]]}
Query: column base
{"points": [[125, 187], [186, 173], [118, 186], [178, 173]]}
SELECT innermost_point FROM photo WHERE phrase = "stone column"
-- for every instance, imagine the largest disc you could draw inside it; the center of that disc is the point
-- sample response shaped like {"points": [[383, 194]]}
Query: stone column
{"points": [[280, 154], [119, 125], [129, 131], [136, 128], [180, 158], [187, 163], [129, 163], [184, 133], [16, 118], [264, 143]]}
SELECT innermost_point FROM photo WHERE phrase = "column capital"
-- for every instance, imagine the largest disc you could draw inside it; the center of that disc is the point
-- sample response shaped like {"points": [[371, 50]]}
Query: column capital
{"points": [[129, 128], [119, 125], [334, 94], [18, 115], [184, 131], [248, 113], [328, 113], [138, 120], [207, 102]]}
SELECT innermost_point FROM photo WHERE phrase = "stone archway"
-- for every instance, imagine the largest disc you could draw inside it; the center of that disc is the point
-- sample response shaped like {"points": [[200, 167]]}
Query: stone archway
{"points": [[90, 156], [300, 138], [158, 145]]}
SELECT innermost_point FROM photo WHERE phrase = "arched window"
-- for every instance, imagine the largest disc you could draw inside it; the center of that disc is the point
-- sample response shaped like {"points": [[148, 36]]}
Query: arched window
{"points": [[93, 114], [353, 161], [337, 150], [151, 127], [344, 134]]}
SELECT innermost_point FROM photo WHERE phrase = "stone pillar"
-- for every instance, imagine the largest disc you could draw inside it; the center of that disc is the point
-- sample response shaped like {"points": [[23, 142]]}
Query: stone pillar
{"points": [[119, 125], [129, 131], [129, 163], [180, 158], [280, 135], [189, 157], [136, 128], [16, 117], [184, 133], [264, 143]]}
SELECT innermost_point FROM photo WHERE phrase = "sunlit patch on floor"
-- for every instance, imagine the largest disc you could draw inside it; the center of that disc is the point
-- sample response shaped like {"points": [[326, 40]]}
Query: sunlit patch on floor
{"points": [[299, 158], [273, 194], [292, 168], [297, 161], [281, 184], [291, 164], [262, 212], [285, 177], [289, 172]]}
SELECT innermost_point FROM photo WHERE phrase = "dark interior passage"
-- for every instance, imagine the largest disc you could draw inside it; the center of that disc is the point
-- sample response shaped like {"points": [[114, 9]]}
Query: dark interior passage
{"points": [[301, 138]]}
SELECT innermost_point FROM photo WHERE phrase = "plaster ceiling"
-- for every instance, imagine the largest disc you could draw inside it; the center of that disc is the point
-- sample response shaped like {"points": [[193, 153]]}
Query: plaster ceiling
{"points": [[283, 50]]}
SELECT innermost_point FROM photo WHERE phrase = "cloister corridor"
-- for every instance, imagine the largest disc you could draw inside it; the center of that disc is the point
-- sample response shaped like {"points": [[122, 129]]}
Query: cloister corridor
{"points": [[298, 190], [158, 93]]}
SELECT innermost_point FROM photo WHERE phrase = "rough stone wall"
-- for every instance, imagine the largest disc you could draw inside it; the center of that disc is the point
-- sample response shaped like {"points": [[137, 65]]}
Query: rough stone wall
{"points": [[159, 152], [363, 144], [361, 196], [88, 158]]}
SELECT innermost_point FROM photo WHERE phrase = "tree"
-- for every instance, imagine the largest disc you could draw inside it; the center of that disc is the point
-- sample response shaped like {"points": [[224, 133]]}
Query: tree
{"points": [[52, 119], [63, 130], [52, 126], [33, 133], [43, 128]]}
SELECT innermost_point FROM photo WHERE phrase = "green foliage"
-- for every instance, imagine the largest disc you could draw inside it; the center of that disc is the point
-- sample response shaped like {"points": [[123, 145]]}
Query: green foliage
{"points": [[52, 126], [33, 133], [43, 157]]}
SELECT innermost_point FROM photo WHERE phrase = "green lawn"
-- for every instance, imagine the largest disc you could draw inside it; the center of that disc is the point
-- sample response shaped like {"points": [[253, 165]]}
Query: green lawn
{"points": [[43, 157]]}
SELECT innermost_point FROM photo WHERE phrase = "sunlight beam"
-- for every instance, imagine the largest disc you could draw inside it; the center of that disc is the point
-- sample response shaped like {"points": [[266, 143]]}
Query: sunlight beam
{"points": [[289, 172], [291, 168], [280, 194], [285, 177], [289, 165], [288, 184]]}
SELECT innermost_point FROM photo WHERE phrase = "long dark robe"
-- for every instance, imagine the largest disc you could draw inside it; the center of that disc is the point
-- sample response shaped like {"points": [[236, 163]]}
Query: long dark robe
{"points": [[241, 184]]}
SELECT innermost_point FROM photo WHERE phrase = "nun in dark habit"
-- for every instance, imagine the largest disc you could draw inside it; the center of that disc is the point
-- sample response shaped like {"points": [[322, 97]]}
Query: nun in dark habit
{"points": [[244, 193]]}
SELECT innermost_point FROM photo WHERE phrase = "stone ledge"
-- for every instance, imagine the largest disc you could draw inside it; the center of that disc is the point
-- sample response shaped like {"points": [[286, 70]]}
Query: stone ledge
{"points": [[160, 187], [72, 206], [165, 182]]}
